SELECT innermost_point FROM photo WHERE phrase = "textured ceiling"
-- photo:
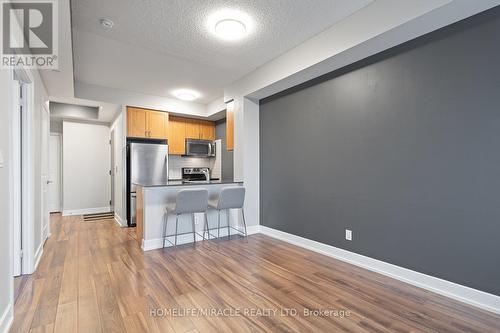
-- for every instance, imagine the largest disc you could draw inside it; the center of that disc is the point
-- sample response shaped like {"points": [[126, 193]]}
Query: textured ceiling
{"points": [[162, 45]]}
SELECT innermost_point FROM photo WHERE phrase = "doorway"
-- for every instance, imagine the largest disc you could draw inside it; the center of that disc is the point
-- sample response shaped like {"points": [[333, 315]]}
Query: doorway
{"points": [[45, 173]]}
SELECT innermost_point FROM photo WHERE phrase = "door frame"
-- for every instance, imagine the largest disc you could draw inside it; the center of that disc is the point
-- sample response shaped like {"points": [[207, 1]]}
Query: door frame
{"points": [[16, 179], [25, 144], [59, 135], [45, 214]]}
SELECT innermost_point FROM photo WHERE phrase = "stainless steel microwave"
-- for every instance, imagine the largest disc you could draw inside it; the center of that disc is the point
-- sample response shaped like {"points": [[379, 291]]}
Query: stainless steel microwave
{"points": [[200, 148]]}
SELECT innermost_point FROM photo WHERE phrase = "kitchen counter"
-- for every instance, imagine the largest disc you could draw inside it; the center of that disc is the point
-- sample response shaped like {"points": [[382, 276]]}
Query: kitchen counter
{"points": [[152, 200], [179, 182]]}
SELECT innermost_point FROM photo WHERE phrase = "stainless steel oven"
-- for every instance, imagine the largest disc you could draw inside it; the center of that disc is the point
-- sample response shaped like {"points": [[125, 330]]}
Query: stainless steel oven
{"points": [[200, 148]]}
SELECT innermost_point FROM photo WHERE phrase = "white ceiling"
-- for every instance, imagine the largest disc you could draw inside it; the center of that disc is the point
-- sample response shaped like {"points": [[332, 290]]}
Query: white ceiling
{"points": [[107, 111], [157, 46]]}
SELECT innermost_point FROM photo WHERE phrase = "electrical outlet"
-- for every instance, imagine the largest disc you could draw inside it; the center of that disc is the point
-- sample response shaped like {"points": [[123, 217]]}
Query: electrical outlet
{"points": [[196, 220], [348, 234]]}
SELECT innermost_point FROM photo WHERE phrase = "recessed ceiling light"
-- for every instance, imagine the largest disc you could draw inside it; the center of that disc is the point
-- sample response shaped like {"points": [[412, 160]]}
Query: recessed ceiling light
{"points": [[230, 24], [230, 29], [186, 94], [106, 23]]}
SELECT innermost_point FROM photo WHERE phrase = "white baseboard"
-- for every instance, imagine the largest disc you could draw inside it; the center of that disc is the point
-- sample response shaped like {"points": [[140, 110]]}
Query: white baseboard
{"points": [[38, 256], [119, 220], [7, 319], [253, 229], [449, 289], [157, 243], [45, 233], [69, 212]]}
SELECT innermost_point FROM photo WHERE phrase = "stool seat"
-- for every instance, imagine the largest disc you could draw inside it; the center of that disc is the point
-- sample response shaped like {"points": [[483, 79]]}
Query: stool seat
{"points": [[229, 198], [188, 201]]}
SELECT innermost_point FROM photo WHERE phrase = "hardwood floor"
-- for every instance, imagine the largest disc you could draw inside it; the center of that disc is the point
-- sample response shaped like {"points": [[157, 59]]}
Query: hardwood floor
{"points": [[94, 278]]}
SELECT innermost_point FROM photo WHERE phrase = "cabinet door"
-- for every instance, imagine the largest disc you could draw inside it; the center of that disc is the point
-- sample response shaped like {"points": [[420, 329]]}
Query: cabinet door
{"points": [[136, 122], [207, 129], [156, 124], [192, 128], [176, 136], [230, 126]]}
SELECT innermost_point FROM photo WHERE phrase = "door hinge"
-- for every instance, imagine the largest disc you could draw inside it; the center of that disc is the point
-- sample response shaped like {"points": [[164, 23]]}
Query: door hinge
{"points": [[110, 172], [110, 202], [110, 142], [21, 254]]}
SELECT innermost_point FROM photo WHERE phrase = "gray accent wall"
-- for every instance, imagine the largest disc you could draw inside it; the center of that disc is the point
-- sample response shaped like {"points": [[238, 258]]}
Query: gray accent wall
{"points": [[227, 159], [403, 148]]}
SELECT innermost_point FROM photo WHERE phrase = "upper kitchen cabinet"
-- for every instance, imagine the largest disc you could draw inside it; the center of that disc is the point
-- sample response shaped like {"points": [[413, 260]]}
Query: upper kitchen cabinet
{"points": [[193, 130], [200, 129], [157, 124], [177, 136], [152, 124], [207, 130], [145, 123], [230, 127], [136, 122]]}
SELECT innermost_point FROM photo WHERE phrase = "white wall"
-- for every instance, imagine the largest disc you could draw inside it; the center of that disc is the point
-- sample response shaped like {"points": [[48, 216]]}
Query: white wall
{"points": [[6, 282], [86, 166], [33, 222]]}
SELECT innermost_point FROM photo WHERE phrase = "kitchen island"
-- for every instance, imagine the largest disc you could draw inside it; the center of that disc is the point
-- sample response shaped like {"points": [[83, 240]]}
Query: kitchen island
{"points": [[152, 199]]}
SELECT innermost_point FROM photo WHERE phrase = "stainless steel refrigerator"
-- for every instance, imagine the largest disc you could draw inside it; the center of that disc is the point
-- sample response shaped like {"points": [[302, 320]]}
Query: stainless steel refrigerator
{"points": [[147, 164]]}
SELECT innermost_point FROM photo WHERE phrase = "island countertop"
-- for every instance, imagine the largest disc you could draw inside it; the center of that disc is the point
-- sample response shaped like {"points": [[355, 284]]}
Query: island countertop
{"points": [[180, 182], [152, 200]]}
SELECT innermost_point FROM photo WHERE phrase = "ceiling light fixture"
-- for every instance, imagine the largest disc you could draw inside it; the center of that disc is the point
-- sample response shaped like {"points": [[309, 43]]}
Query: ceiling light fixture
{"points": [[186, 94], [106, 23], [230, 24], [230, 29]]}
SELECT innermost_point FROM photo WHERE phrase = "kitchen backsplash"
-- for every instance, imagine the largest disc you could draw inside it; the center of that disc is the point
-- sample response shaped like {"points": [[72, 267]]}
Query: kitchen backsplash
{"points": [[176, 163]]}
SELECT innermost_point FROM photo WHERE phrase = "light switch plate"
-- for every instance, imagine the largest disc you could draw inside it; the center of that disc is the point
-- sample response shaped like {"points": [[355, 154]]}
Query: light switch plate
{"points": [[1, 158], [348, 234]]}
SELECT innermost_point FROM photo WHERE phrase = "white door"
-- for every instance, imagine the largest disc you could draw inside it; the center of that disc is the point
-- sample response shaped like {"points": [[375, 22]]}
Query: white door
{"points": [[45, 172], [55, 174]]}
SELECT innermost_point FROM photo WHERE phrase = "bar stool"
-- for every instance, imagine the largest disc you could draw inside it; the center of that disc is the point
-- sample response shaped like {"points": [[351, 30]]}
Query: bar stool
{"points": [[189, 201], [229, 198]]}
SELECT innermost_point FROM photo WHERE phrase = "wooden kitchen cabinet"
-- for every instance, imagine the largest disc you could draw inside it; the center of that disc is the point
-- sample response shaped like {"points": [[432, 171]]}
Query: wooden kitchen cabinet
{"points": [[153, 124], [181, 129], [157, 124], [192, 128], [145, 123], [230, 126], [200, 129], [207, 130], [136, 122], [177, 136]]}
